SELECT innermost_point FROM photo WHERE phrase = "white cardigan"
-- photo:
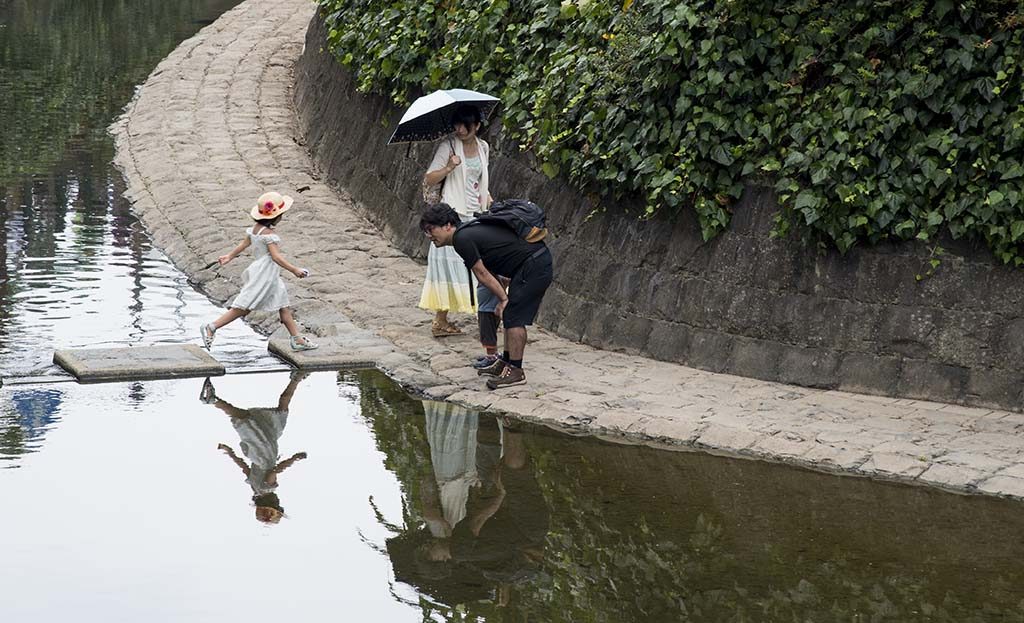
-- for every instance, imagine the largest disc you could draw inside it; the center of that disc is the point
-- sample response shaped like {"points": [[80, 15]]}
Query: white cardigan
{"points": [[454, 190]]}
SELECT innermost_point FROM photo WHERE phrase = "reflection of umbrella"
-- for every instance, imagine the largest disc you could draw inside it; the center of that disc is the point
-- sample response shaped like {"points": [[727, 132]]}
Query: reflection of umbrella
{"points": [[430, 117]]}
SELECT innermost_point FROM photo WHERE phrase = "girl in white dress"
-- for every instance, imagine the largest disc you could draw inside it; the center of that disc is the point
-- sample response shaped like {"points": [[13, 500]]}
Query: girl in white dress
{"points": [[263, 289]]}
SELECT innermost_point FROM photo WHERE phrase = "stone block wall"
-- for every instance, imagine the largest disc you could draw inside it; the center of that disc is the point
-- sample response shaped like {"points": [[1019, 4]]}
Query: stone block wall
{"points": [[742, 303]]}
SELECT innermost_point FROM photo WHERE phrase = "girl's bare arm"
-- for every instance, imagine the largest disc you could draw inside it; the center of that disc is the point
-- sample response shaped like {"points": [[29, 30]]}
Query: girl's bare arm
{"points": [[228, 450], [285, 464], [242, 246], [278, 257]]}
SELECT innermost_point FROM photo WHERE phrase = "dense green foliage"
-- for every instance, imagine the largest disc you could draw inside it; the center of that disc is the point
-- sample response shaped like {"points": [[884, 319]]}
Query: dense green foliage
{"points": [[871, 119]]}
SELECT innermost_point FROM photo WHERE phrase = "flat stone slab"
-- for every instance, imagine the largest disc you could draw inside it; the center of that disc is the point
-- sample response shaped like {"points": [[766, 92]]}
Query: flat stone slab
{"points": [[333, 354], [138, 362]]}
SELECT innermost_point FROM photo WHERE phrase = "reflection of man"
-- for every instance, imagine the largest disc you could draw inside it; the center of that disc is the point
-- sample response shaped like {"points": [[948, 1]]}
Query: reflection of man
{"points": [[259, 430], [490, 249], [484, 512]]}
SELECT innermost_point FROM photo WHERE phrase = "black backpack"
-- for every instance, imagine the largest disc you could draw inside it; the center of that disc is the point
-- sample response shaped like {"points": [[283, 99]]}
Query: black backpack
{"points": [[523, 217]]}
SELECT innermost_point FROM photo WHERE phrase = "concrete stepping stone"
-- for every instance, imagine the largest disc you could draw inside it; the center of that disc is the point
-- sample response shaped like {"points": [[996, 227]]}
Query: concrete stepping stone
{"points": [[139, 362], [333, 353]]}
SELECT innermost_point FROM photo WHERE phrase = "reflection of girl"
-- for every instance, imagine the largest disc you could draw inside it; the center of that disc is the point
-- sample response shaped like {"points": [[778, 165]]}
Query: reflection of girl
{"points": [[259, 430], [461, 165]]}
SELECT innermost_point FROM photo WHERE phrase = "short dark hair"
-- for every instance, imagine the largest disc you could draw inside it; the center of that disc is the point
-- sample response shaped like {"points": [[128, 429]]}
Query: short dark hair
{"points": [[439, 215], [467, 115]]}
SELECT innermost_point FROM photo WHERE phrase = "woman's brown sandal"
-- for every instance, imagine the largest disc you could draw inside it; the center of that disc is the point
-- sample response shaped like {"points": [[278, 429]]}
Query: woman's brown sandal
{"points": [[444, 330]]}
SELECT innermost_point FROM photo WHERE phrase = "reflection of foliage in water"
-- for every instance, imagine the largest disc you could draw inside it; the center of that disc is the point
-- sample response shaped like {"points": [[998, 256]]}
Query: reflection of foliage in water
{"points": [[687, 555], [68, 66], [25, 418], [598, 569], [397, 424], [612, 571]]}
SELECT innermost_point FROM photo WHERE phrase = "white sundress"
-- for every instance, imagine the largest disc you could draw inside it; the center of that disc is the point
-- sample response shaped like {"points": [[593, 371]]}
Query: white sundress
{"points": [[259, 433], [263, 289]]}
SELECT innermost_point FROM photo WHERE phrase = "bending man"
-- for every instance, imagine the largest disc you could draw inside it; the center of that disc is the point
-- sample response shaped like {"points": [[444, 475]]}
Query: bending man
{"points": [[490, 249]]}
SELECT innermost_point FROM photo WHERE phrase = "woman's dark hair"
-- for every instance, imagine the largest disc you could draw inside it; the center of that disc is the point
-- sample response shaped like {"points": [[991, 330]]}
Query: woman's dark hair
{"points": [[439, 215], [270, 222], [467, 115]]}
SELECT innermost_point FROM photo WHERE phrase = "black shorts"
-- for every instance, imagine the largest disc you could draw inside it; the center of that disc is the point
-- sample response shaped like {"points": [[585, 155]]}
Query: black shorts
{"points": [[527, 290]]}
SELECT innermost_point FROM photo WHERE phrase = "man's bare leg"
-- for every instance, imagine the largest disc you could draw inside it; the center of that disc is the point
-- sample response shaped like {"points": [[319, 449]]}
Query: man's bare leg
{"points": [[515, 337]]}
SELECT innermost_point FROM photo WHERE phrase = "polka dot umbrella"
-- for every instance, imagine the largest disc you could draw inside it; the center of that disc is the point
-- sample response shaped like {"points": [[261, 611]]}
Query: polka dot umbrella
{"points": [[430, 117]]}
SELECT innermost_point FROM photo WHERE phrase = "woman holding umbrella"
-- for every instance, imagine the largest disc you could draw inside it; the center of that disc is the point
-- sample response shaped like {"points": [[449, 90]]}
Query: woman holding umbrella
{"points": [[460, 166]]}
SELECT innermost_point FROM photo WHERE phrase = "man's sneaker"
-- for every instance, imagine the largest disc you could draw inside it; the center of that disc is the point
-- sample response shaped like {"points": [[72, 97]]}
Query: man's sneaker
{"points": [[483, 361], [494, 369], [510, 376]]}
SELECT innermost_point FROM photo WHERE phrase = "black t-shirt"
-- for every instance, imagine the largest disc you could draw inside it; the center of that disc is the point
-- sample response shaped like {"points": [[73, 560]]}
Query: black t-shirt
{"points": [[501, 250]]}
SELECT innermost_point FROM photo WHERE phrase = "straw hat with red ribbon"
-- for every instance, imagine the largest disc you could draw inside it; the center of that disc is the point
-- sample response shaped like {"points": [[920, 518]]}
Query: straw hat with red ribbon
{"points": [[270, 205]]}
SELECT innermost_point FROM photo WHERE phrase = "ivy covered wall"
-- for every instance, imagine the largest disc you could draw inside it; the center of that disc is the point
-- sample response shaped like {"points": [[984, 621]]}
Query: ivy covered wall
{"points": [[872, 120]]}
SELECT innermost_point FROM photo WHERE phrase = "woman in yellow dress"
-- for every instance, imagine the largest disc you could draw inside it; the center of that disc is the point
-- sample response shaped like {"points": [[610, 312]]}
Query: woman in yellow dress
{"points": [[461, 164]]}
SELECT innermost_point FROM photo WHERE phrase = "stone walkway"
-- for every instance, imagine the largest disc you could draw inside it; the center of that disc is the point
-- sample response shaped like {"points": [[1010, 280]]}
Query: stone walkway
{"points": [[213, 127]]}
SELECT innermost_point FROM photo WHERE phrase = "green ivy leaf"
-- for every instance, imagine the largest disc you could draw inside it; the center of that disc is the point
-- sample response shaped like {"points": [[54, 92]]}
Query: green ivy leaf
{"points": [[806, 199], [721, 156]]}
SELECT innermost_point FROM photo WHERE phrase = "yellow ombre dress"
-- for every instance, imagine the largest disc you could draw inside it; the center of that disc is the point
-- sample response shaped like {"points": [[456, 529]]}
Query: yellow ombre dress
{"points": [[449, 285]]}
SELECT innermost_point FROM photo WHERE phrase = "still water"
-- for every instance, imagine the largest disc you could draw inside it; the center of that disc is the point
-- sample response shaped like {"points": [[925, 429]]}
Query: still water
{"points": [[76, 268], [336, 497]]}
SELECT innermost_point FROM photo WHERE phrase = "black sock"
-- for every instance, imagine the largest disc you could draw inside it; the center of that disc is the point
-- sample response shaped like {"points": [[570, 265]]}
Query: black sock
{"points": [[518, 363], [504, 356]]}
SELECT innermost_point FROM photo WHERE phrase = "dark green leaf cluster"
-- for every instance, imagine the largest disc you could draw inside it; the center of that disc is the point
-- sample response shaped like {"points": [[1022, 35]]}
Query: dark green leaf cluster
{"points": [[872, 119]]}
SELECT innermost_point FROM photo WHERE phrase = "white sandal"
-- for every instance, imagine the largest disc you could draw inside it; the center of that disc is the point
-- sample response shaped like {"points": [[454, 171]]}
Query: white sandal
{"points": [[208, 333], [302, 343]]}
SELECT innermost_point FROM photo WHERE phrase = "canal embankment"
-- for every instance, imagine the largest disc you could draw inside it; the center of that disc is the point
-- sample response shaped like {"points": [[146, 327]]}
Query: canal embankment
{"points": [[215, 125]]}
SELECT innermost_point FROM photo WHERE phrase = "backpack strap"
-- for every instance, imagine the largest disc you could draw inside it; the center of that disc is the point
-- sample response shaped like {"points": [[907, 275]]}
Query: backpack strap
{"points": [[472, 290]]}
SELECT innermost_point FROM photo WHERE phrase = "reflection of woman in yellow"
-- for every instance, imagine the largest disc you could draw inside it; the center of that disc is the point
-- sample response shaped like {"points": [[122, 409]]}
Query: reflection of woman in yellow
{"points": [[259, 429], [484, 517]]}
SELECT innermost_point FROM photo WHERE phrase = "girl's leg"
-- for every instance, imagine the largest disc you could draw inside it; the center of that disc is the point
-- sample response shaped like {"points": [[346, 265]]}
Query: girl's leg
{"points": [[229, 316], [298, 342], [288, 321], [441, 317], [207, 330]]}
